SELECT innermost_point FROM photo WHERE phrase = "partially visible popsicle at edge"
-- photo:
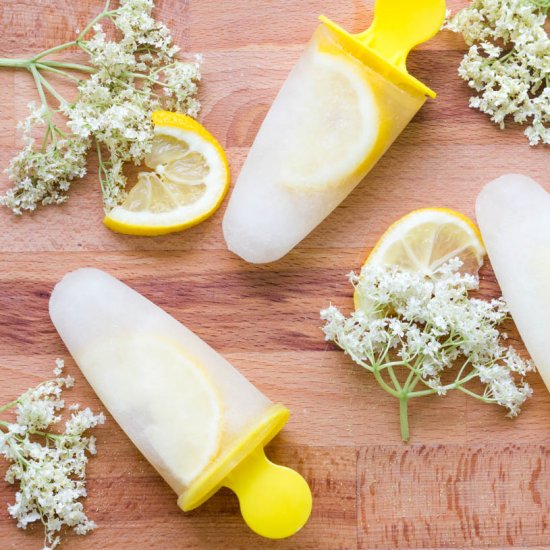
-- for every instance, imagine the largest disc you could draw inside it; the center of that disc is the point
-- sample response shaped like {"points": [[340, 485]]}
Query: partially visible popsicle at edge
{"points": [[199, 422], [343, 104], [513, 213]]}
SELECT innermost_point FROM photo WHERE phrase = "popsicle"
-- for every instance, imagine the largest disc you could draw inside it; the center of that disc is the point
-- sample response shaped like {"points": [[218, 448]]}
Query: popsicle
{"points": [[513, 214], [199, 422], [343, 104]]}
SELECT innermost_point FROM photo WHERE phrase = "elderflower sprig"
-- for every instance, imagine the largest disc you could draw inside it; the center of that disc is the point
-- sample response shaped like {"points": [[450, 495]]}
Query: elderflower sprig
{"points": [[419, 329], [49, 467], [508, 62], [125, 81]]}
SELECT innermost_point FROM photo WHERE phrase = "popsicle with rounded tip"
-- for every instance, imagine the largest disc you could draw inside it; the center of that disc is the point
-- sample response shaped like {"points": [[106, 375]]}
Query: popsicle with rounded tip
{"points": [[343, 104], [513, 213], [199, 422]]}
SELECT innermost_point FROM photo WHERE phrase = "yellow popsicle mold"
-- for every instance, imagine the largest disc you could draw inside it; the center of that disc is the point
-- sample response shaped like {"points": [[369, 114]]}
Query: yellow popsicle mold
{"points": [[397, 27], [275, 501]]}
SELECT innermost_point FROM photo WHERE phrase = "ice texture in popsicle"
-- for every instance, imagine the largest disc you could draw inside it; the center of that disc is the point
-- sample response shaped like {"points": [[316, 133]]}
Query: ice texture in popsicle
{"points": [[330, 123], [190, 412], [513, 213]]}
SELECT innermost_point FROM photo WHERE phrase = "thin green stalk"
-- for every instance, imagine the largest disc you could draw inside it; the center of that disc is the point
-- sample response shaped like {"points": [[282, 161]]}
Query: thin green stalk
{"points": [[70, 66], [384, 384], [473, 394], [457, 384], [9, 405], [94, 21], [459, 375], [394, 380], [101, 169], [17, 453], [409, 379], [147, 77], [60, 72], [38, 80], [53, 91], [14, 63], [414, 382], [404, 418], [53, 50], [46, 136], [422, 393], [36, 76], [467, 378], [394, 364]]}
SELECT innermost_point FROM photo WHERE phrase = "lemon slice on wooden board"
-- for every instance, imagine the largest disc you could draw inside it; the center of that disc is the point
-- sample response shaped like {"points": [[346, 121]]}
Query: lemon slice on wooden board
{"points": [[338, 127], [424, 240], [189, 182], [163, 398]]}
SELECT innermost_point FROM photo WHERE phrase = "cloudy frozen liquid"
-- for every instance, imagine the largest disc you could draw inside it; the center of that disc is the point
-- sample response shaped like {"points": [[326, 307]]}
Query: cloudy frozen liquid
{"points": [[141, 362], [330, 123], [513, 213]]}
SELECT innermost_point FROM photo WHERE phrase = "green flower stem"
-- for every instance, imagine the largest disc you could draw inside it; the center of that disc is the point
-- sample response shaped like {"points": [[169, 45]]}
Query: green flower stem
{"points": [[47, 435], [14, 63], [44, 64], [96, 19], [404, 417], [9, 405], [19, 456], [102, 171], [53, 50], [36, 76], [46, 137], [473, 394], [394, 380], [51, 127], [52, 90], [147, 77], [66, 65], [415, 381], [383, 383], [60, 72]]}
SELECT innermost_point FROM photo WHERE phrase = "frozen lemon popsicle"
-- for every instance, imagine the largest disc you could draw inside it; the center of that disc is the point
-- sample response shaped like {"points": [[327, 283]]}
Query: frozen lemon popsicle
{"points": [[343, 104], [199, 422], [513, 213]]}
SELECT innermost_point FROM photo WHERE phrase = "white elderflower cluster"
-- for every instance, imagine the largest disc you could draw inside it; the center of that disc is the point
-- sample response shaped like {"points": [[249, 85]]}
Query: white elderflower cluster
{"points": [[429, 327], [49, 467], [43, 176], [508, 62], [128, 78]]}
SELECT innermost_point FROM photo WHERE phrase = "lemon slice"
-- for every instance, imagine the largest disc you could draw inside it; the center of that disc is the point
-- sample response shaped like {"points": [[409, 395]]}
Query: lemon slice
{"points": [[338, 128], [424, 240], [162, 398], [189, 182]]}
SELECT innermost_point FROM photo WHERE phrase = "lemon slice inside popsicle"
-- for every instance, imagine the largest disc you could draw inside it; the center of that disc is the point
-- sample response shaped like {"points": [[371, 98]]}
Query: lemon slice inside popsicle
{"points": [[336, 129], [424, 240], [171, 410]]}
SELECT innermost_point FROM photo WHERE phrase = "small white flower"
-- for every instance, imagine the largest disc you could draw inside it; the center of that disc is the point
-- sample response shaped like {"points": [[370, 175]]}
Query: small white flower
{"points": [[134, 75], [508, 62], [428, 325], [49, 467]]}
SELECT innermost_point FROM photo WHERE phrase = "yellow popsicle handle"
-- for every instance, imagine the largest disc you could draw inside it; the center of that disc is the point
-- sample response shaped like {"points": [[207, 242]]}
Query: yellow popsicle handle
{"points": [[275, 501], [399, 25]]}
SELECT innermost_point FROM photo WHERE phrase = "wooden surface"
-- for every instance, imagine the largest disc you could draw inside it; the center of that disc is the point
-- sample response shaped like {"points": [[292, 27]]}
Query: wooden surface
{"points": [[470, 477]]}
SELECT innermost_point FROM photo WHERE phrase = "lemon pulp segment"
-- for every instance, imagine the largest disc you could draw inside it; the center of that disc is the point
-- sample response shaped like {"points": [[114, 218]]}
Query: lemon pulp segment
{"points": [[424, 240], [189, 180]]}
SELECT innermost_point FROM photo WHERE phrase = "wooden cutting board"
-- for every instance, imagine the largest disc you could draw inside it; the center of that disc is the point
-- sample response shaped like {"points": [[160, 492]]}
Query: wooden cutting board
{"points": [[469, 478]]}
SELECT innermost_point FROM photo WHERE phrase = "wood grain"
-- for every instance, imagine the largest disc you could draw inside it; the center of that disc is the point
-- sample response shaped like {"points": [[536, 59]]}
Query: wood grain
{"points": [[471, 478]]}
